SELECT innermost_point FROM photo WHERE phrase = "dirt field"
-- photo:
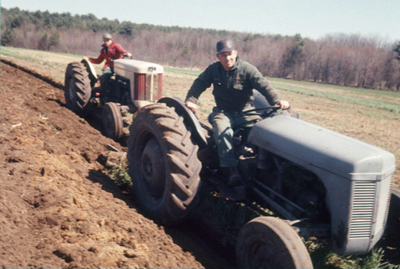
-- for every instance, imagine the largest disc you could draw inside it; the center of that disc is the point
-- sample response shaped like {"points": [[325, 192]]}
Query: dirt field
{"points": [[58, 208]]}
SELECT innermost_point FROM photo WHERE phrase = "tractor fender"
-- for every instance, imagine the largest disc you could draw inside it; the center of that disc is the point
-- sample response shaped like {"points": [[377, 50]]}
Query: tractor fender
{"points": [[92, 72], [189, 118]]}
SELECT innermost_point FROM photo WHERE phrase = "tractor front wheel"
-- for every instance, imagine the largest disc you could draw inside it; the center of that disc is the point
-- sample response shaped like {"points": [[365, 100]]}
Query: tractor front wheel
{"points": [[268, 242], [112, 121]]}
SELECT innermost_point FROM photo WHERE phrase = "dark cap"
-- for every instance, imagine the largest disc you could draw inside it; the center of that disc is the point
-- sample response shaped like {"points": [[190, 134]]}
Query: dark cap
{"points": [[225, 45]]}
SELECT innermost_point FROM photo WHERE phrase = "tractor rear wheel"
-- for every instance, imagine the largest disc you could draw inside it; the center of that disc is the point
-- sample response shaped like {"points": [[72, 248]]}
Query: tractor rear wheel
{"points": [[268, 242], [112, 121], [393, 222], [395, 201], [163, 164], [77, 89]]}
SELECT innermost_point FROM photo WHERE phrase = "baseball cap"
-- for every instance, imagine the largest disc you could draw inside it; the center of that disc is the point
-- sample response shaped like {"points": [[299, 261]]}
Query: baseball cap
{"points": [[107, 36], [225, 45]]}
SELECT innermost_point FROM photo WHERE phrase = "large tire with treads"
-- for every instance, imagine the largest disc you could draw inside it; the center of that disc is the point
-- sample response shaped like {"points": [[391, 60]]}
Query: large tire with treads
{"points": [[392, 234], [395, 203], [77, 89], [269, 242], [163, 164]]}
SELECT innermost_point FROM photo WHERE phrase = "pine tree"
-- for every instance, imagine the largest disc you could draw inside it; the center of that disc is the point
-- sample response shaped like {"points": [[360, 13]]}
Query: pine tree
{"points": [[396, 49]]}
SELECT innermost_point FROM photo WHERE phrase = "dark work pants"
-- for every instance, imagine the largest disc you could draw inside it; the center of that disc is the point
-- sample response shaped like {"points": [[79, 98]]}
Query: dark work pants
{"points": [[106, 80], [224, 124]]}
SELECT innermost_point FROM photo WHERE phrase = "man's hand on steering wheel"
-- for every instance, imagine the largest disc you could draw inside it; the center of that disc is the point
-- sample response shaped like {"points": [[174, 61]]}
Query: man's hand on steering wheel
{"points": [[283, 104], [128, 55]]}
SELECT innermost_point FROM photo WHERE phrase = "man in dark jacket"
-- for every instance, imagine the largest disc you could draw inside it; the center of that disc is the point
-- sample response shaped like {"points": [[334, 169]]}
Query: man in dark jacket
{"points": [[233, 80], [110, 51]]}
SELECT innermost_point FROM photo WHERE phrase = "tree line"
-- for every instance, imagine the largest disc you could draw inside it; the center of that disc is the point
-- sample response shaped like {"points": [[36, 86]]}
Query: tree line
{"points": [[340, 59]]}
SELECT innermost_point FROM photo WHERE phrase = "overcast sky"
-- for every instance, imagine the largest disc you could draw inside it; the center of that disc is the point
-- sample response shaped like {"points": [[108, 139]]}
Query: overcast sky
{"points": [[310, 18]]}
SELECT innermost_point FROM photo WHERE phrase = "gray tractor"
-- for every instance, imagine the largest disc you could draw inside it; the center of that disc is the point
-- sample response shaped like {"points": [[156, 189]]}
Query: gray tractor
{"points": [[134, 84], [318, 182]]}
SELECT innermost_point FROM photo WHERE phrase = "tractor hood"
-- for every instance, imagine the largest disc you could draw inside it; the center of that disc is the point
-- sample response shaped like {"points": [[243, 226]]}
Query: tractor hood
{"points": [[312, 146], [128, 66]]}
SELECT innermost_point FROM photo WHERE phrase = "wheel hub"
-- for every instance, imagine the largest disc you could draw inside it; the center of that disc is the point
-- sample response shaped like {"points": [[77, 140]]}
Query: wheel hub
{"points": [[153, 167]]}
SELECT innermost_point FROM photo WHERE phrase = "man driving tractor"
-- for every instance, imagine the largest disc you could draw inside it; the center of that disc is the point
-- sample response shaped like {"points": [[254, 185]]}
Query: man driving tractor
{"points": [[233, 80], [110, 51]]}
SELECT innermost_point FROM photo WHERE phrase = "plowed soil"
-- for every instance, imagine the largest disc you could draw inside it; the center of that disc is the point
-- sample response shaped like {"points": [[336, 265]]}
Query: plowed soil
{"points": [[58, 208]]}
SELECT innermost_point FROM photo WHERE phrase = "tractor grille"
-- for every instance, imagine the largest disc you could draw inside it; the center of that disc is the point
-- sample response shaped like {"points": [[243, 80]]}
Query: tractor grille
{"points": [[148, 86], [362, 214], [363, 209]]}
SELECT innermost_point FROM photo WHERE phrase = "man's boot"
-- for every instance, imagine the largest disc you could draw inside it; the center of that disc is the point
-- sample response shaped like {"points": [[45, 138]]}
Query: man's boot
{"points": [[234, 177]]}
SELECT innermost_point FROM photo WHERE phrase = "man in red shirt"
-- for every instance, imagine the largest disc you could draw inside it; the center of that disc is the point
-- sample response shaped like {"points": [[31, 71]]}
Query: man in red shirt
{"points": [[110, 51]]}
